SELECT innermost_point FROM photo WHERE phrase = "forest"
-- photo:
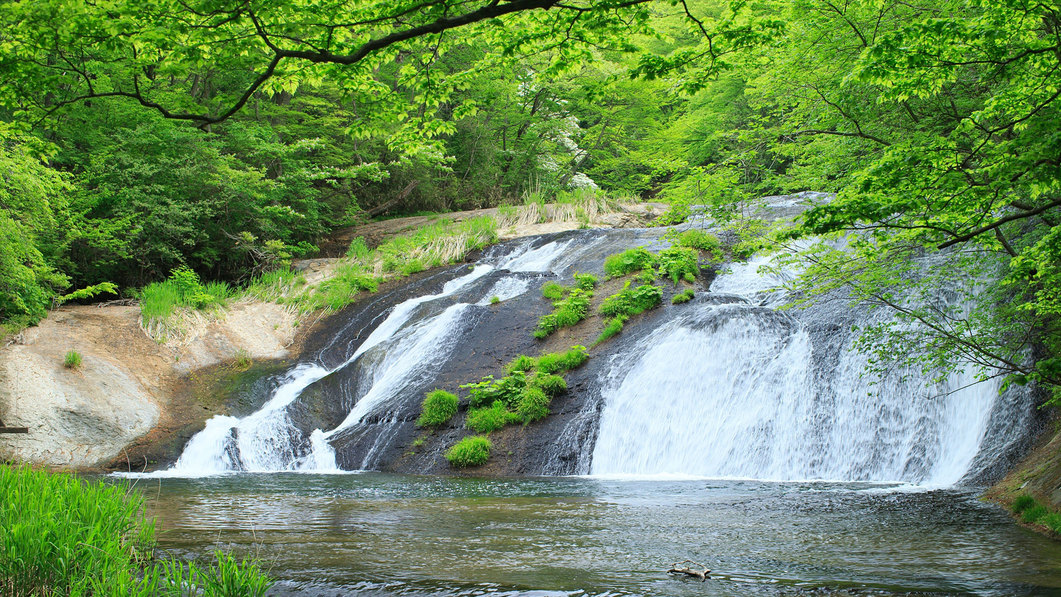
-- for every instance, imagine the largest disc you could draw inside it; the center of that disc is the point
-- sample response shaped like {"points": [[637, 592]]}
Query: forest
{"points": [[139, 138]]}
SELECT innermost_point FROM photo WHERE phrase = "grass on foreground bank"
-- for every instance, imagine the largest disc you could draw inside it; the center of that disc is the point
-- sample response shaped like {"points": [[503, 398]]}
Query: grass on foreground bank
{"points": [[166, 305], [60, 535], [1030, 511]]}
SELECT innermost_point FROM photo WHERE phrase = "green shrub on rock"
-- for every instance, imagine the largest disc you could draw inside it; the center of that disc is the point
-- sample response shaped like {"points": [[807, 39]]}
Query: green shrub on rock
{"points": [[439, 406], [473, 450]]}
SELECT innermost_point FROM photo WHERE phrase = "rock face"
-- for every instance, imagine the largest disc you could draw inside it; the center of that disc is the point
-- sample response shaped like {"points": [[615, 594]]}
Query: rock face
{"points": [[127, 387]]}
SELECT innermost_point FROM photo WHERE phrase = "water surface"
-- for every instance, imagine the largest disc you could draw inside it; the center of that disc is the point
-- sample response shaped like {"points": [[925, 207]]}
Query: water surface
{"points": [[378, 534]]}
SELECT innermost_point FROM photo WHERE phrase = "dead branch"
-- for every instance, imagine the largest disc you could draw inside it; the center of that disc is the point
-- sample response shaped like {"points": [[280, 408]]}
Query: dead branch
{"points": [[682, 568]]}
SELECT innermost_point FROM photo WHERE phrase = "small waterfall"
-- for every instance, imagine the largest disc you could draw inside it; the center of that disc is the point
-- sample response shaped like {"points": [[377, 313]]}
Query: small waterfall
{"points": [[733, 388]]}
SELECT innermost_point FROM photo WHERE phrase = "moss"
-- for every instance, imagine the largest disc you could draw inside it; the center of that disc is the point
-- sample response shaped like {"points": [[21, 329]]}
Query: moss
{"points": [[471, 451], [439, 406]]}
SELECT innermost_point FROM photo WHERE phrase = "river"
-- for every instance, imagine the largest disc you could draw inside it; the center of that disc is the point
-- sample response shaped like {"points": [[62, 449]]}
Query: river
{"points": [[381, 534]]}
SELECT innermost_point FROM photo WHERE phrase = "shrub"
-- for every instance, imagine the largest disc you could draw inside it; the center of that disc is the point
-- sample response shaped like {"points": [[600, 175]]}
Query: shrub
{"points": [[439, 406], [487, 390], [471, 451], [702, 241], [552, 385], [1022, 503], [522, 363], [585, 281], [1034, 513], [678, 263], [558, 362], [631, 301], [491, 418], [683, 297], [65, 537], [72, 360], [533, 405], [630, 260], [553, 291], [567, 312], [613, 327]]}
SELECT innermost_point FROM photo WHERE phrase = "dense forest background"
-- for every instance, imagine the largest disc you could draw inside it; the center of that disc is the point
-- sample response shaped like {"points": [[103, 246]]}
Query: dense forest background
{"points": [[137, 137]]}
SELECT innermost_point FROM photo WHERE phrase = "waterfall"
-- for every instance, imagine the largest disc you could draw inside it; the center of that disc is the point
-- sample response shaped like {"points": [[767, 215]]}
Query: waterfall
{"points": [[732, 388], [413, 338]]}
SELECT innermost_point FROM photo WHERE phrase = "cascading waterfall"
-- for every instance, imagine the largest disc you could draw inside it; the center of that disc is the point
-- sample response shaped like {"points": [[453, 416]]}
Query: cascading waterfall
{"points": [[406, 344], [732, 388]]}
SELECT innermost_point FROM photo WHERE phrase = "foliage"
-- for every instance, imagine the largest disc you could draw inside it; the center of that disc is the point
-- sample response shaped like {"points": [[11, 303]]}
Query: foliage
{"points": [[533, 405], [183, 288], [522, 363], [553, 291], [630, 260], [491, 418], [585, 282], [65, 536], [694, 238], [683, 297], [72, 360], [559, 362], [566, 312], [438, 407], [473, 450], [678, 263], [632, 300], [612, 328], [488, 390], [553, 385]]}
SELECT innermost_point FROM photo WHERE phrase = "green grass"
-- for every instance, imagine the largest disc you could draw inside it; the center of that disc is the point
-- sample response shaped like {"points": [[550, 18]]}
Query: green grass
{"points": [[1030, 511], [560, 362], [566, 312], [702, 241], [495, 300], [439, 406], [585, 281], [183, 289], [1022, 503], [491, 418], [683, 297], [553, 291], [632, 300], [612, 328], [72, 360], [533, 405], [629, 261], [471, 451], [62, 536]]}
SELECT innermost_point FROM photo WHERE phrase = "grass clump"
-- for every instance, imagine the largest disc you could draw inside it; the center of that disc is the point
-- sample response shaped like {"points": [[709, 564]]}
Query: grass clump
{"points": [[533, 405], [495, 300], [489, 390], [683, 297], [629, 261], [522, 363], [65, 537], [553, 291], [632, 300], [439, 406], [702, 241], [491, 418], [560, 362], [183, 288], [585, 281], [471, 451], [1022, 503], [1034, 514], [566, 312], [72, 360], [612, 328]]}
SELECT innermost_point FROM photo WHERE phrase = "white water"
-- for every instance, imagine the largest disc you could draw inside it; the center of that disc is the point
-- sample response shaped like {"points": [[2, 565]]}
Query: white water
{"points": [[735, 390], [401, 348]]}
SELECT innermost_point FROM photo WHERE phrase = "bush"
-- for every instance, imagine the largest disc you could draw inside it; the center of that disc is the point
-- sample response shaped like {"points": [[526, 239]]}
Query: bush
{"points": [[702, 241], [558, 362], [678, 263], [1034, 513], [72, 360], [65, 537], [566, 313], [631, 301], [522, 363], [491, 418], [552, 385], [630, 260], [553, 291], [533, 405], [439, 406], [683, 297], [585, 281], [1022, 503], [485, 391], [471, 451]]}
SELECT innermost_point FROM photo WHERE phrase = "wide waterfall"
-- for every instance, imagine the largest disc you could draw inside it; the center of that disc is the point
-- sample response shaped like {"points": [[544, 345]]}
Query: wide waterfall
{"points": [[726, 386]]}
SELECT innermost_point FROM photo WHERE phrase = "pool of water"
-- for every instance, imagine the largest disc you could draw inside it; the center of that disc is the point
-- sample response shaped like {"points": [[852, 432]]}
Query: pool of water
{"points": [[378, 534]]}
